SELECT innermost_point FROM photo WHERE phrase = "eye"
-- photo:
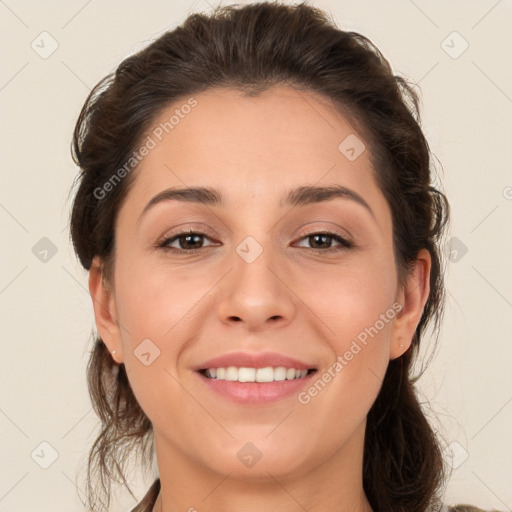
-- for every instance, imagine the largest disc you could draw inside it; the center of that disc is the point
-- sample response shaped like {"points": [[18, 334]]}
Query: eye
{"points": [[188, 241], [192, 242], [322, 241]]}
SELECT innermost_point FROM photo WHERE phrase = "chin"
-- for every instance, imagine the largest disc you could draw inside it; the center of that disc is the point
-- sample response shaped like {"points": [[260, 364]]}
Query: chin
{"points": [[259, 459]]}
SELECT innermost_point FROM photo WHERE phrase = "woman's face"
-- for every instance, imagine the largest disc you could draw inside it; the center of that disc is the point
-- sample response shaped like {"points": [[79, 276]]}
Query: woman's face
{"points": [[256, 281]]}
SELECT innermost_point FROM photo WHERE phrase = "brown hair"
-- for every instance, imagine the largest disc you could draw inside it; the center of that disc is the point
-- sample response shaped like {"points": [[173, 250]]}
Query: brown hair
{"points": [[252, 48]]}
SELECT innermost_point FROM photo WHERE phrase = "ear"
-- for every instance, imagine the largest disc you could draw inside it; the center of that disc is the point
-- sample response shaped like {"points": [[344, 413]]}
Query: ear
{"points": [[103, 301], [413, 297]]}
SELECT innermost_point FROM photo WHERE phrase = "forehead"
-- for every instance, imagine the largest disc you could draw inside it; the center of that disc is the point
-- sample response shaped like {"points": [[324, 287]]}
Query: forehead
{"points": [[253, 147]]}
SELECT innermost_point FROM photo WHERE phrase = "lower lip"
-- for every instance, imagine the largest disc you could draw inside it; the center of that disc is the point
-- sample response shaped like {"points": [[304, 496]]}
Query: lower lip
{"points": [[256, 392]]}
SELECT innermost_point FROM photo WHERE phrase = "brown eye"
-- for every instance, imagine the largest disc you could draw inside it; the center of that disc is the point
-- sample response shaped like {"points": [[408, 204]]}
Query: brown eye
{"points": [[323, 241], [188, 241]]}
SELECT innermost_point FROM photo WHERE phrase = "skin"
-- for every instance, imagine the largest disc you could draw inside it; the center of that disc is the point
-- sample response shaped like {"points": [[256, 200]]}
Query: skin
{"points": [[292, 299]]}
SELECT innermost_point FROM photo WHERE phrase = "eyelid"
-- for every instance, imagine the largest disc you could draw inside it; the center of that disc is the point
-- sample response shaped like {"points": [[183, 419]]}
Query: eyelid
{"points": [[332, 229], [186, 228]]}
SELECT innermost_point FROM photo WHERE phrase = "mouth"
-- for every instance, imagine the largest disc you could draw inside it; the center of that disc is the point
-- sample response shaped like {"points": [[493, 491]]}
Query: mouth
{"points": [[254, 378], [255, 386], [256, 375]]}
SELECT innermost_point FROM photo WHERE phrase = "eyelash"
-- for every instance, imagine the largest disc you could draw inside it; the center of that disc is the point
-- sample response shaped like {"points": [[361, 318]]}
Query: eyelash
{"points": [[344, 243]]}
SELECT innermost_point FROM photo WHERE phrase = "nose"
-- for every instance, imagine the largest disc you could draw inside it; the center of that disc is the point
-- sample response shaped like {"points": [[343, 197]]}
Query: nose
{"points": [[257, 294]]}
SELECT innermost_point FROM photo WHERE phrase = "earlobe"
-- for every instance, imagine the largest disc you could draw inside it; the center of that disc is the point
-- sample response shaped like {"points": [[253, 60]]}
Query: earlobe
{"points": [[104, 310], [413, 297]]}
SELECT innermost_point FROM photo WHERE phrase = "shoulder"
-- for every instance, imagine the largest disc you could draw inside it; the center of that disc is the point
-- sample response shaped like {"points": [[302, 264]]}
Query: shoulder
{"points": [[148, 502], [465, 508]]}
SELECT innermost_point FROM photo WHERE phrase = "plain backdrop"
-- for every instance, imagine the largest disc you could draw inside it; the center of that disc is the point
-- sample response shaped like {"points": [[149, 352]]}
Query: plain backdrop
{"points": [[54, 52]]}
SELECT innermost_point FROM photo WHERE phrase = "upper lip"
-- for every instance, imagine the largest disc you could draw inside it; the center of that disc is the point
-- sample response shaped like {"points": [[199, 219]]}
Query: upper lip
{"points": [[253, 360]]}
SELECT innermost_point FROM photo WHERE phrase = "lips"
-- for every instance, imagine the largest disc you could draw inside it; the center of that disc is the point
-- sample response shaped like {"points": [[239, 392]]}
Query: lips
{"points": [[254, 360], [257, 378]]}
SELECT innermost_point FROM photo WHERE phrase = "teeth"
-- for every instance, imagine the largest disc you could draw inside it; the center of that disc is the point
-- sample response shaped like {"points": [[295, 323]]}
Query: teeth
{"points": [[246, 374], [268, 374]]}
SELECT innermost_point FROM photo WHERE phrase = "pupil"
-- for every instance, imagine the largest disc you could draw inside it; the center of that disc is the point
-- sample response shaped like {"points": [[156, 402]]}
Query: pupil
{"points": [[315, 237], [189, 237]]}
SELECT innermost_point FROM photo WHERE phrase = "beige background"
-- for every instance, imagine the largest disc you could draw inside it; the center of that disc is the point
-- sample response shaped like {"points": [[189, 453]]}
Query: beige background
{"points": [[47, 316]]}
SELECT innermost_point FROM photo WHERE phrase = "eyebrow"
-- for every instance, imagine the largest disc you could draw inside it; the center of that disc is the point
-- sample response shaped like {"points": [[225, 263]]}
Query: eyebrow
{"points": [[296, 197]]}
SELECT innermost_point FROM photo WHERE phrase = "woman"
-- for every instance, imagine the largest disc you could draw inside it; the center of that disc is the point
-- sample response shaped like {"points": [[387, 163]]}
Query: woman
{"points": [[256, 212]]}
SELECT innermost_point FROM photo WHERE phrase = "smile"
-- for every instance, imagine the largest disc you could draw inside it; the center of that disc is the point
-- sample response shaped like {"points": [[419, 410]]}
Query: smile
{"points": [[247, 374], [251, 386]]}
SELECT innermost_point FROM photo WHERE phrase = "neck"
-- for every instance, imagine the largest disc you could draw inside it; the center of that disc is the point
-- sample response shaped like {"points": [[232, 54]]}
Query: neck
{"points": [[333, 485]]}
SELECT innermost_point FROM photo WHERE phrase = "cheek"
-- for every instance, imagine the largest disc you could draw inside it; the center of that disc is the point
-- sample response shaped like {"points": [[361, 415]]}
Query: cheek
{"points": [[355, 305], [350, 297], [342, 393], [155, 308], [151, 301], [158, 305]]}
